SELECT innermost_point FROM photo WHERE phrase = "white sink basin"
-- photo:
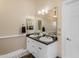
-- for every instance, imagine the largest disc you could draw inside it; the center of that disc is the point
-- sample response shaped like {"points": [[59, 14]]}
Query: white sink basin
{"points": [[33, 35], [46, 39]]}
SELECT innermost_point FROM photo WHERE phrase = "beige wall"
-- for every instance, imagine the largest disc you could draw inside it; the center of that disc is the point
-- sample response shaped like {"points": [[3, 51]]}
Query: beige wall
{"points": [[11, 44], [12, 15]]}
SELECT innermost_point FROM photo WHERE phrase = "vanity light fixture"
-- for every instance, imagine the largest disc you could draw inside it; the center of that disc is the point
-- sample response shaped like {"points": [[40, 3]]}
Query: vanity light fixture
{"points": [[39, 12], [55, 15], [43, 12]]}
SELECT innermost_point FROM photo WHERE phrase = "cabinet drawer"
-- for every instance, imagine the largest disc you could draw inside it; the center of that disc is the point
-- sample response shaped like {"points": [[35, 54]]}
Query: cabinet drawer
{"points": [[36, 48], [41, 49]]}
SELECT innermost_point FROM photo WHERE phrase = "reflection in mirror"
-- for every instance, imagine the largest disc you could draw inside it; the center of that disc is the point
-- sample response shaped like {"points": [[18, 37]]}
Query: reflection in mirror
{"points": [[49, 18], [39, 24], [29, 24], [33, 24], [46, 20]]}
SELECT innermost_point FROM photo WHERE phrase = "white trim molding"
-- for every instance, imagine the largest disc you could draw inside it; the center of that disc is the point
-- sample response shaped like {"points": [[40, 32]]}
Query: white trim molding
{"points": [[12, 36]]}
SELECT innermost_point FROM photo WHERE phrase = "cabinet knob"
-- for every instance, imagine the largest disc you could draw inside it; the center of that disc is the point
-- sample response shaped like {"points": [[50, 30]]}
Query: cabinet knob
{"points": [[40, 48], [68, 39], [32, 46]]}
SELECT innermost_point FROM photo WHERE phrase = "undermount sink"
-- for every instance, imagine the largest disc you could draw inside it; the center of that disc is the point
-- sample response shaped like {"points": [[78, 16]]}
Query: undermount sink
{"points": [[33, 35], [46, 39]]}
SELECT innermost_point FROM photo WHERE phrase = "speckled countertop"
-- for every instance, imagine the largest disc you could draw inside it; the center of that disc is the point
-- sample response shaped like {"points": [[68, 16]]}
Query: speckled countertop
{"points": [[54, 39]]}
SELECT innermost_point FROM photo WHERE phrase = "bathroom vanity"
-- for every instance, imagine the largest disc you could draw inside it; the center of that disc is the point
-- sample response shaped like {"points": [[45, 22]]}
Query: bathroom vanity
{"points": [[42, 49]]}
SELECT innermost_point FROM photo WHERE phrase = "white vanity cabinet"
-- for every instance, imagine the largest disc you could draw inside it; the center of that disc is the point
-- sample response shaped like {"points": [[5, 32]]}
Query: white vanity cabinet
{"points": [[40, 50]]}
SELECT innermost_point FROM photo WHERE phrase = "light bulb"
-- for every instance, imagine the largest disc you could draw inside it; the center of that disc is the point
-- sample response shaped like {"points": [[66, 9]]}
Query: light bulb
{"points": [[39, 12], [55, 16], [43, 10]]}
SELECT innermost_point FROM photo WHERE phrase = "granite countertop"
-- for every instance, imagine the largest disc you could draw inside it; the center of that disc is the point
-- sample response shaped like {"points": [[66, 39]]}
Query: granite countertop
{"points": [[46, 43], [54, 39]]}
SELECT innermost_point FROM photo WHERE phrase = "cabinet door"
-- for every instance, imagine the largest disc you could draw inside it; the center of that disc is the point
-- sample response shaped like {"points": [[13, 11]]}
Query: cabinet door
{"points": [[42, 50], [32, 47], [29, 45], [70, 29], [52, 50]]}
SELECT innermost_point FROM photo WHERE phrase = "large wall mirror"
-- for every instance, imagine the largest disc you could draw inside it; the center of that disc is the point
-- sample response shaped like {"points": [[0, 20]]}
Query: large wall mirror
{"points": [[39, 24], [46, 19], [33, 24], [49, 18], [29, 23]]}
